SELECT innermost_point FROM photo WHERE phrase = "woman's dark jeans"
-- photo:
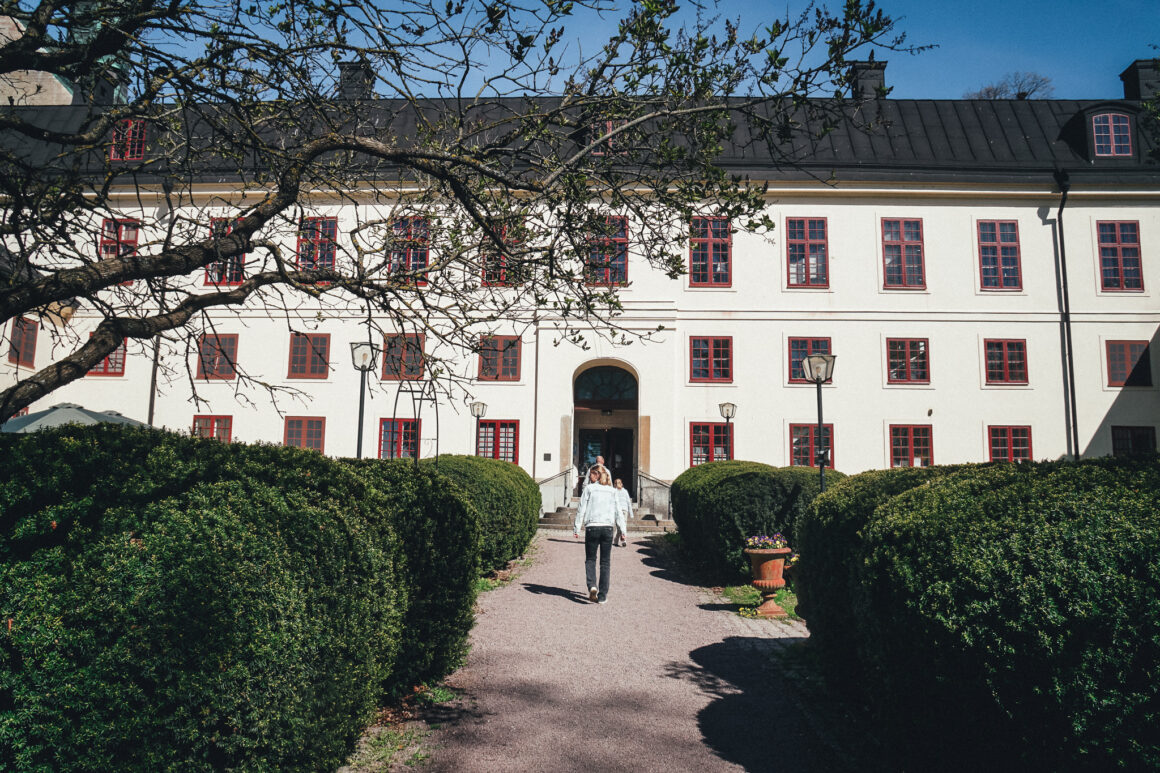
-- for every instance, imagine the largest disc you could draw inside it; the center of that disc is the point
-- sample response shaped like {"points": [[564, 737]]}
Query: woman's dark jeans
{"points": [[598, 537]]}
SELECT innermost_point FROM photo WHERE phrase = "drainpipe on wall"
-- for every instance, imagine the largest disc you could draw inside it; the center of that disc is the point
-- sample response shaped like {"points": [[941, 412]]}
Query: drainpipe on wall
{"points": [[153, 378], [536, 400], [1061, 179]]}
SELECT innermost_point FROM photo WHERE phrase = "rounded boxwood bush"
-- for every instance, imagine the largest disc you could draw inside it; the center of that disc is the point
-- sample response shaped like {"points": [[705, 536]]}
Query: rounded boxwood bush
{"points": [[233, 626], [319, 602], [1015, 611], [716, 506], [828, 536], [507, 500], [439, 538]]}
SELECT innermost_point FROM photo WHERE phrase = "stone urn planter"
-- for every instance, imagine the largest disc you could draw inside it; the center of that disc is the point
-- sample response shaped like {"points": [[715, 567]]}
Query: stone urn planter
{"points": [[768, 564]]}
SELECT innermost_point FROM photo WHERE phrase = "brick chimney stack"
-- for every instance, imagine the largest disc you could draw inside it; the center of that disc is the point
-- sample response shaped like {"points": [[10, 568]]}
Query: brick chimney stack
{"points": [[1141, 79], [866, 78]]}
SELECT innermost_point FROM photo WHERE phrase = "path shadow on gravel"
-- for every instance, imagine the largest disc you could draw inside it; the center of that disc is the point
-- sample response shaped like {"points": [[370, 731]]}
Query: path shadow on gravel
{"points": [[550, 590], [664, 562], [765, 717]]}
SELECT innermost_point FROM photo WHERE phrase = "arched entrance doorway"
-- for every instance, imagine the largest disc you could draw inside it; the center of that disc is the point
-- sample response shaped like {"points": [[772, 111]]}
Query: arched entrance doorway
{"points": [[604, 398]]}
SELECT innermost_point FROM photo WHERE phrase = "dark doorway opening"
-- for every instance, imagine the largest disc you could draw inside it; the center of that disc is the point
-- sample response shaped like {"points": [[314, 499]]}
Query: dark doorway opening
{"points": [[615, 444]]}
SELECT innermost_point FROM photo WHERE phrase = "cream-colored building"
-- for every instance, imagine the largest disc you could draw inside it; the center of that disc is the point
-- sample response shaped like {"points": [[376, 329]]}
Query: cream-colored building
{"points": [[986, 274]]}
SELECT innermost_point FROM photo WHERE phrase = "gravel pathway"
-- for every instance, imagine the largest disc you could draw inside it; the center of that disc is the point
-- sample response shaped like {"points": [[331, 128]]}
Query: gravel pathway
{"points": [[661, 678]]}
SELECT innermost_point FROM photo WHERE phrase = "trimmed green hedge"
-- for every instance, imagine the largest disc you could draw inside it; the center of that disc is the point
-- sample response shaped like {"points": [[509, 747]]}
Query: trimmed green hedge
{"points": [[188, 604], [828, 536], [440, 536], [1014, 611], [179, 603], [507, 499], [716, 506]]}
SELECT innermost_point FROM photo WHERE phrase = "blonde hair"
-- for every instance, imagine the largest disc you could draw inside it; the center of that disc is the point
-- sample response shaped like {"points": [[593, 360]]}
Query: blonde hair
{"points": [[605, 477]]}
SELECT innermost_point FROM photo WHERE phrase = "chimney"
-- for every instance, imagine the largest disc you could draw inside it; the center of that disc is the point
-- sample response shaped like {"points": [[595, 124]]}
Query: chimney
{"points": [[866, 78], [355, 80], [1141, 79]]}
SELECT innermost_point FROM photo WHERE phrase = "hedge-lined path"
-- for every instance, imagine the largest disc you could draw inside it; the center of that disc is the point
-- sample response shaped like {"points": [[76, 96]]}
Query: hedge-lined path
{"points": [[664, 677]]}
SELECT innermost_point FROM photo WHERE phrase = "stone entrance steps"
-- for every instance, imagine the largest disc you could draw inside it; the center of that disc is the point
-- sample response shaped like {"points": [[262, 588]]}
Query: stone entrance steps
{"points": [[561, 520]]}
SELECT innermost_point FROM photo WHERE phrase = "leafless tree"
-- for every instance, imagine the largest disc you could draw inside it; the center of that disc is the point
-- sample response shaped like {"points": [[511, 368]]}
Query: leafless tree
{"points": [[1015, 85], [225, 128]]}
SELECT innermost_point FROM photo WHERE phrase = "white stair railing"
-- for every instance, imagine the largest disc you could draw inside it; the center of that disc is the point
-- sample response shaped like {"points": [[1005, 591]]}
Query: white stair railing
{"points": [[556, 491], [652, 495]]}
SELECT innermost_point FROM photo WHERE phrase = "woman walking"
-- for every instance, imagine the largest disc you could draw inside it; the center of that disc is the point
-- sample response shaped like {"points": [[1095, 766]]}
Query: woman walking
{"points": [[599, 515], [624, 502]]}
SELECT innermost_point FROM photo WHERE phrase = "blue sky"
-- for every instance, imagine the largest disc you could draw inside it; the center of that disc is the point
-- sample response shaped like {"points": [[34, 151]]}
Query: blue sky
{"points": [[1082, 45]]}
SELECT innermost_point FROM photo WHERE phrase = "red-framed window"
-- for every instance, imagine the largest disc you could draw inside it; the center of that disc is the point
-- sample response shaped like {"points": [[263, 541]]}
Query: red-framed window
{"points": [[217, 356], [907, 361], [1006, 361], [1129, 363], [309, 355], [1009, 444], [305, 432], [910, 445], [902, 254], [999, 265], [499, 358], [128, 140], [411, 245], [710, 252], [118, 237], [1120, 256], [399, 438], [804, 448], [613, 145], [607, 260], [216, 427], [317, 243], [230, 270], [113, 364], [499, 439], [403, 357], [798, 349], [807, 252], [711, 359], [1112, 134], [1133, 440], [500, 268], [22, 343], [710, 441]]}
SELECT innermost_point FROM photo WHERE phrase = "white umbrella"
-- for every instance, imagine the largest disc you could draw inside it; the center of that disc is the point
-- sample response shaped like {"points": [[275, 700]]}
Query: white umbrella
{"points": [[64, 413]]}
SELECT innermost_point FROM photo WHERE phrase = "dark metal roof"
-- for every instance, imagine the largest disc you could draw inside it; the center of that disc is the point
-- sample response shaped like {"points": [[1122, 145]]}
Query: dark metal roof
{"points": [[887, 140], [963, 141]]}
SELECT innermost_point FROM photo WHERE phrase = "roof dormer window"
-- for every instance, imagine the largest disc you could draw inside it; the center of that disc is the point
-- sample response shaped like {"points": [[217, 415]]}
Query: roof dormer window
{"points": [[128, 140], [1112, 134]]}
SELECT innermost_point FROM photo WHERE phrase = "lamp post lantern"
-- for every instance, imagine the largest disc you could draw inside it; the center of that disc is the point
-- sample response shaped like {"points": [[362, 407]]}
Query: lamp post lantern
{"points": [[728, 411], [478, 410], [363, 355], [819, 368]]}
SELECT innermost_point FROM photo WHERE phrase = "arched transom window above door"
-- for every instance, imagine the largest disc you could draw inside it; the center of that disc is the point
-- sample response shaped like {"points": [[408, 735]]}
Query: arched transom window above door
{"points": [[605, 387]]}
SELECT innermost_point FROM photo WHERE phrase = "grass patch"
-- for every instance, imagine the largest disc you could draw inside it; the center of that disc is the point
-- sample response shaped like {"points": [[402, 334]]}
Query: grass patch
{"points": [[380, 750], [484, 584], [418, 759], [746, 598], [742, 595], [432, 696], [504, 577]]}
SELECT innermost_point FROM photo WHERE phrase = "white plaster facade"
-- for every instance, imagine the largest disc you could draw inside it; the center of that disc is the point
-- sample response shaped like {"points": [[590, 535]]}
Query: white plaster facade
{"points": [[760, 313]]}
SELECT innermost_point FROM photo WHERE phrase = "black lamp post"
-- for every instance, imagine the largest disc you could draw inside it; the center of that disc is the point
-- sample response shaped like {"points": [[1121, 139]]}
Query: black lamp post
{"points": [[728, 411], [819, 368], [478, 410], [363, 354]]}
